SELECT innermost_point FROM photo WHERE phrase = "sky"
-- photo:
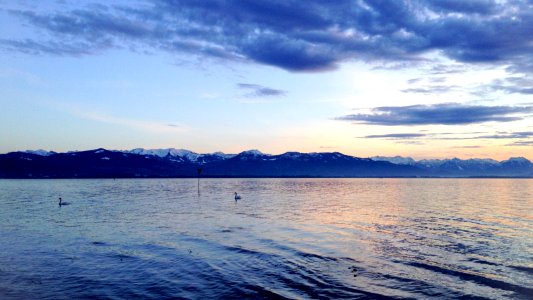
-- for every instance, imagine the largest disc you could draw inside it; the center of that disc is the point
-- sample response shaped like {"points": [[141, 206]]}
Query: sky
{"points": [[419, 78]]}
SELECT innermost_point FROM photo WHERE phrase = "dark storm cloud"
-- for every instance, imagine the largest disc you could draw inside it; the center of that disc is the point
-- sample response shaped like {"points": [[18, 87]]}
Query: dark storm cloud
{"points": [[439, 114], [256, 90], [293, 35]]}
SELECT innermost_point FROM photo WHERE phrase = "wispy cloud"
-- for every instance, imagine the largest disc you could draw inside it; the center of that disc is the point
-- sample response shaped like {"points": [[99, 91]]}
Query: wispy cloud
{"points": [[468, 147], [510, 135], [446, 69], [103, 117], [439, 114], [256, 90], [142, 125], [298, 36], [410, 142], [521, 143], [431, 89], [510, 85], [430, 85], [395, 136], [27, 77], [419, 137]]}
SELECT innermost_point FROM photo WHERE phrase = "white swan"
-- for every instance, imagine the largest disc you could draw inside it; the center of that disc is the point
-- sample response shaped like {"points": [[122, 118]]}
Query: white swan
{"points": [[237, 197], [61, 203]]}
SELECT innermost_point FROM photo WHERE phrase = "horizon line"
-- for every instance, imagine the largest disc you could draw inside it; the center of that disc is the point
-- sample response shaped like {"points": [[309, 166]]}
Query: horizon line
{"points": [[36, 152]]}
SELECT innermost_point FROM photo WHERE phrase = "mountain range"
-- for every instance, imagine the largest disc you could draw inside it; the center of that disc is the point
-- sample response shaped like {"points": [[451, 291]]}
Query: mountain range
{"points": [[102, 163]]}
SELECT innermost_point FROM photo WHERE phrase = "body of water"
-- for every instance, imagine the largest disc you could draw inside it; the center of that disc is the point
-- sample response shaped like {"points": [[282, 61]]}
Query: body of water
{"points": [[286, 238]]}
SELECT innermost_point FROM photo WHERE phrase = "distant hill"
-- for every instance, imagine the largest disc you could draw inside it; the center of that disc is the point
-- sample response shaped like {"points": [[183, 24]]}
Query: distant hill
{"points": [[513, 167], [102, 163]]}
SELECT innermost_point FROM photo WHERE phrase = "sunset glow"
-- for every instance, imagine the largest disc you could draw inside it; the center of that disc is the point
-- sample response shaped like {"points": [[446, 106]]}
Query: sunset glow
{"points": [[425, 79]]}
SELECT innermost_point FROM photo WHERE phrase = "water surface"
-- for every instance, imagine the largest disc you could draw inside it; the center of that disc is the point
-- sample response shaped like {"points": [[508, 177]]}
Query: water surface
{"points": [[286, 238]]}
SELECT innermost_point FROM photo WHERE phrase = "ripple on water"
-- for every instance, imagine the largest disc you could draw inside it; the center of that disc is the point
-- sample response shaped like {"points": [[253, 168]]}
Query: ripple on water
{"points": [[371, 239]]}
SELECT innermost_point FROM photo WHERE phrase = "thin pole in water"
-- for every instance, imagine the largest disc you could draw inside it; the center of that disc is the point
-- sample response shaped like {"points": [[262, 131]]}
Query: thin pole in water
{"points": [[199, 170]]}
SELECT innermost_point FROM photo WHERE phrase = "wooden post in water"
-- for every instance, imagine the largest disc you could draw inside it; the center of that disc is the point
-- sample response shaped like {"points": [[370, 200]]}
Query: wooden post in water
{"points": [[199, 170]]}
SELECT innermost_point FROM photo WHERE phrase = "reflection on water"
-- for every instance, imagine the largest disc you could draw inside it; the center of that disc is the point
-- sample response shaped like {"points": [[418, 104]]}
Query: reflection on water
{"points": [[286, 238]]}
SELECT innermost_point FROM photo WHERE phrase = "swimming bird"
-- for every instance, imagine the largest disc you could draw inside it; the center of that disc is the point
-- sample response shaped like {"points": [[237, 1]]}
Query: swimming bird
{"points": [[61, 203], [237, 197]]}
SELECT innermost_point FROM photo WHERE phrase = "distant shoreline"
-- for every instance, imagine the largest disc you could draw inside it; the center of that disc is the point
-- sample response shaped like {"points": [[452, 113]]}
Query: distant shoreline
{"points": [[283, 177], [176, 163]]}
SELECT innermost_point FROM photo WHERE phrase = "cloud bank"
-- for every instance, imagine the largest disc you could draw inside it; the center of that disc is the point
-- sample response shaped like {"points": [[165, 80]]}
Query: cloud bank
{"points": [[302, 36], [439, 114], [522, 138]]}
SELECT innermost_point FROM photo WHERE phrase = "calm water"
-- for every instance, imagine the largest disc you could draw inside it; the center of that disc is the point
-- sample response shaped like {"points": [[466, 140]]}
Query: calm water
{"points": [[286, 238]]}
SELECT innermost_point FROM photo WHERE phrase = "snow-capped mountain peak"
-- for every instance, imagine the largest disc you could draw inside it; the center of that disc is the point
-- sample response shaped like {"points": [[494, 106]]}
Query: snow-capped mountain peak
{"points": [[397, 160], [40, 152], [180, 153], [517, 161], [292, 155], [254, 163], [165, 152], [223, 155], [253, 152]]}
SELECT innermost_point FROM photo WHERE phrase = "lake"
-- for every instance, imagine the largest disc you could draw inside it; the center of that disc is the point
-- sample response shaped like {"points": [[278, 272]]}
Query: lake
{"points": [[286, 238]]}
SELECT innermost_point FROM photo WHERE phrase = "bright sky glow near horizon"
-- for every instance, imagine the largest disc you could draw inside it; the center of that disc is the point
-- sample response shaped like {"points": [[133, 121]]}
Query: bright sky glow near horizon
{"points": [[419, 78]]}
